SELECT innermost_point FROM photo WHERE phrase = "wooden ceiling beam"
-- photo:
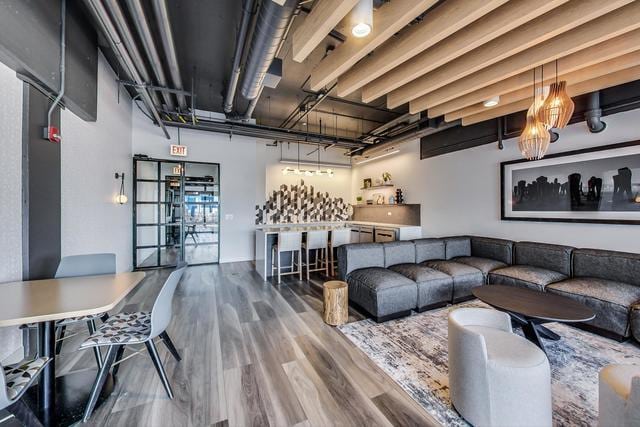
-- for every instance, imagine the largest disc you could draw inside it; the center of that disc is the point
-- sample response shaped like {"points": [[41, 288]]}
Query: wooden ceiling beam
{"points": [[611, 25], [614, 65], [502, 20], [390, 18], [548, 26], [609, 80], [607, 50], [438, 24], [324, 17]]}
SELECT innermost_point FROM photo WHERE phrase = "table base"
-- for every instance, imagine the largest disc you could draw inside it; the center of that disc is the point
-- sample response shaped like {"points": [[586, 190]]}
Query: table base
{"points": [[72, 395], [534, 331]]}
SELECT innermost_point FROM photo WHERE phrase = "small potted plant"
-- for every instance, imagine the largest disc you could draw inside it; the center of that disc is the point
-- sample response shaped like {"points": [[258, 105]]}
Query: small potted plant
{"points": [[386, 178], [359, 200]]}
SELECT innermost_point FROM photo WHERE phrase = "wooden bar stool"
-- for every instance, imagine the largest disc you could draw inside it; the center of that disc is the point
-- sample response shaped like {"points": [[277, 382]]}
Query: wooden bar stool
{"points": [[288, 241], [317, 241], [339, 237]]}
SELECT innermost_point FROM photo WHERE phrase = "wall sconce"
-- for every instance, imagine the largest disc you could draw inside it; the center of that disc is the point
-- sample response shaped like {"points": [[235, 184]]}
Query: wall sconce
{"points": [[121, 198]]}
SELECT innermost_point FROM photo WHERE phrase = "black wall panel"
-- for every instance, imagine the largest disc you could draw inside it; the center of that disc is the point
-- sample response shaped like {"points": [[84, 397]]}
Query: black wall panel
{"points": [[41, 223], [30, 44]]}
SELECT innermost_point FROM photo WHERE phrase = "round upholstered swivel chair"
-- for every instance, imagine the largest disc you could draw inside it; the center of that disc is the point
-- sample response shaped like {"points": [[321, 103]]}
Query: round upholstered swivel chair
{"points": [[496, 378], [619, 396]]}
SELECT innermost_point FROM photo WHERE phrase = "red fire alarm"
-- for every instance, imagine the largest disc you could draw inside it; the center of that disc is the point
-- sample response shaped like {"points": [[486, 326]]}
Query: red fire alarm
{"points": [[52, 134]]}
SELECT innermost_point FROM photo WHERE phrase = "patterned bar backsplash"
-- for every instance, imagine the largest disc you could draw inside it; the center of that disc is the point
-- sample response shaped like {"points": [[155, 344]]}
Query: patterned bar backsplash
{"points": [[299, 203]]}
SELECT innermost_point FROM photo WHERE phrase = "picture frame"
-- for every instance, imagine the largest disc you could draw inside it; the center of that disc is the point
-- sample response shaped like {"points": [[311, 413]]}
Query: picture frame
{"points": [[598, 185], [367, 183]]}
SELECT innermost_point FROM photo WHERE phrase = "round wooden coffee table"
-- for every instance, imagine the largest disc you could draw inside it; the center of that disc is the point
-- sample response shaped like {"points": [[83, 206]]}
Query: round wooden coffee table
{"points": [[530, 309]]}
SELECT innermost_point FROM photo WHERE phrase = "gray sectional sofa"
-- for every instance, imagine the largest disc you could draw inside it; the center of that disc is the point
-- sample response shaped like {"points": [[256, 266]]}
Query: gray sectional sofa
{"points": [[389, 280]]}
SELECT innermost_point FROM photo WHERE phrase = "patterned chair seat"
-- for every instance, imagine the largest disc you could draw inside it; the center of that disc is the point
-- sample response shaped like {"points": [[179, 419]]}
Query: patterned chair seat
{"points": [[20, 376], [124, 328]]}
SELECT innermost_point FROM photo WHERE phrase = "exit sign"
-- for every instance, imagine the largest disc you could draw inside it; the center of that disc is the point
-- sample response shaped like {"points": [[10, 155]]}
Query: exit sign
{"points": [[178, 150]]}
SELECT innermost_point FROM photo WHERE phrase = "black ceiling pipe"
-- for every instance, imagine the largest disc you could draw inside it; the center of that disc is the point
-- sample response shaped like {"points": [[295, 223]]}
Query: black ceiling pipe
{"points": [[271, 26], [593, 114]]}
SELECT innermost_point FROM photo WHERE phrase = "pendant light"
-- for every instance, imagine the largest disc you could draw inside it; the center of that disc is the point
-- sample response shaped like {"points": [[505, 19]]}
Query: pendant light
{"points": [[557, 109], [362, 18], [535, 139]]}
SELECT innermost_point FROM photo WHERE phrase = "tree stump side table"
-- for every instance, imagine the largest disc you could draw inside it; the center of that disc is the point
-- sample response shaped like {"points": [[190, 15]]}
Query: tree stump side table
{"points": [[336, 302]]}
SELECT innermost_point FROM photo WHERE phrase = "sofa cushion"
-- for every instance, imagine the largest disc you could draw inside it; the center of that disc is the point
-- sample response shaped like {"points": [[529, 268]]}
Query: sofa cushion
{"points": [[635, 321], [457, 247], [610, 300], [434, 287], [429, 249], [382, 292], [465, 277], [487, 247], [545, 256], [355, 256], [525, 276], [483, 264], [399, 253], [609, 265]]}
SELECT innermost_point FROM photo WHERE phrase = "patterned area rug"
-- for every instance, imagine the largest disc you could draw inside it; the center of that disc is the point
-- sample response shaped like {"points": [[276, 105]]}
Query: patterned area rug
{"points": [[413, 351]]}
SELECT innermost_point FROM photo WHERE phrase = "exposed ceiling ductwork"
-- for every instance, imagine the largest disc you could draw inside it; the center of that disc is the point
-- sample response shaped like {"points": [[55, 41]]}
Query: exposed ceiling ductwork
{"points": [[247, 10], [272, 23], [593, 114]]}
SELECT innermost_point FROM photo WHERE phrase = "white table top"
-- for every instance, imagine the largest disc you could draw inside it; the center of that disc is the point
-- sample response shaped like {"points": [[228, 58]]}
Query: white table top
{"points": [[54, 299]]}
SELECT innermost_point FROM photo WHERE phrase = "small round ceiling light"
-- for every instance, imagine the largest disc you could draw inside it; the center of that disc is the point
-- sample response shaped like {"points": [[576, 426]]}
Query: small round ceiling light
{"points": [[362, 18], [492, 102]]}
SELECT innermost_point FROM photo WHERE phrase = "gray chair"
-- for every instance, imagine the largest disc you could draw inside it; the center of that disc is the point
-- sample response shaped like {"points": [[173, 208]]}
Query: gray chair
{"points": [[77, 266], [496, 378], [135, 328], [14, 382], [339, 237]]}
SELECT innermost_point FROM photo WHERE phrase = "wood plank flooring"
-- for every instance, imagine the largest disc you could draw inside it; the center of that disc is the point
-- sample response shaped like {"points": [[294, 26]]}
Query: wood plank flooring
{"points": [[254, 354]]}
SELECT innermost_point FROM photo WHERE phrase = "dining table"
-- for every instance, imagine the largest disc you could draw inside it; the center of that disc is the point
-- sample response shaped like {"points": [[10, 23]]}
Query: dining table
{"points": [[60, 400]]}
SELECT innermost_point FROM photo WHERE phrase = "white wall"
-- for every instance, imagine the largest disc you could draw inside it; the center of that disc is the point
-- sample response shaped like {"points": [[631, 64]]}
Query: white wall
{"points": [[337, 186], [241, 176], [92, 152], [460, 192], [11, 191]]}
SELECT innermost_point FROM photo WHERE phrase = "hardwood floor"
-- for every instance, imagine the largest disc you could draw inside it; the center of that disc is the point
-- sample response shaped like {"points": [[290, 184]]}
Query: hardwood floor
{"points": [[254, 353]]}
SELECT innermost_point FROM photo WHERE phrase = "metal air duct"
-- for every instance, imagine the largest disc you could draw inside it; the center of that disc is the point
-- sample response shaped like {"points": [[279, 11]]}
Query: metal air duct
{"points": [[237, 55], [594, 113], [271, 26]]}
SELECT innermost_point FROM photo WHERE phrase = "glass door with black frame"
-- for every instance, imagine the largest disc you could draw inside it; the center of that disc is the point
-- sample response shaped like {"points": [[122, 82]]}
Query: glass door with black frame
{"points": [[201, 212], [176, 213]]}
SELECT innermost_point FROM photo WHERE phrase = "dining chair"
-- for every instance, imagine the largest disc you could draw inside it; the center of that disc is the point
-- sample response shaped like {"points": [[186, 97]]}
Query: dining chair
{"points": [[14, 382], [339, 237], [317, 240], [288, 241], [78, 266], [135, 328]]}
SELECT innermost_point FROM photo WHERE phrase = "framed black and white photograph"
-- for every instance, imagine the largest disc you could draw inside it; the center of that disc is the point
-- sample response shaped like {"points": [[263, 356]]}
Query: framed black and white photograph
{"points": [[599, 185]]}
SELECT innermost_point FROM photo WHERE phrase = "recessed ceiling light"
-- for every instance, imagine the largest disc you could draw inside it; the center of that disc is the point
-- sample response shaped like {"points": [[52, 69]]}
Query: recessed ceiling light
{"points": [[492, 102]]}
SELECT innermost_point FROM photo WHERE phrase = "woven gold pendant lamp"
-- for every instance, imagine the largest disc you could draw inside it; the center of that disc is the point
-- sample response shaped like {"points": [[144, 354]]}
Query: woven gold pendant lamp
{"points": [[557, 109], [535, 138]]}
